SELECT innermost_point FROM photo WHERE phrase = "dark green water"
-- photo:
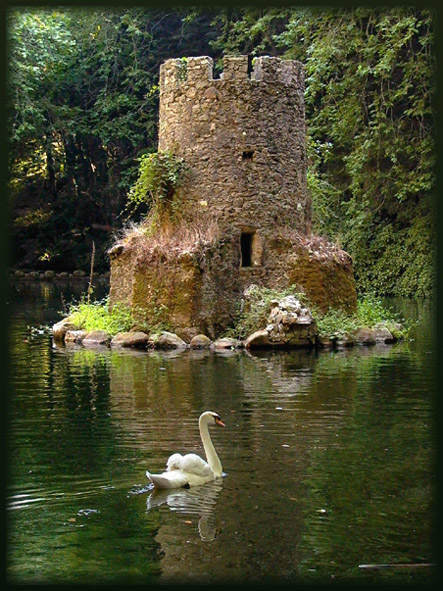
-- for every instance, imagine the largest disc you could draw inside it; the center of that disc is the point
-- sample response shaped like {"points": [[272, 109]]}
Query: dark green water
{"points": [[329, 456]]}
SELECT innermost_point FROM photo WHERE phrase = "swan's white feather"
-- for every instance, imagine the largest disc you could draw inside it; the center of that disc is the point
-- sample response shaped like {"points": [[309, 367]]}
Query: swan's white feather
{"points": [[194, 464], [173, 462], [178, 478], [191, 469], [174, 479], [189, 463]]}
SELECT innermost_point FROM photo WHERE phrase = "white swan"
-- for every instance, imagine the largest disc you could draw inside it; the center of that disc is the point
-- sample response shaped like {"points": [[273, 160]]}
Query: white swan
{"points": [[191, 469]]}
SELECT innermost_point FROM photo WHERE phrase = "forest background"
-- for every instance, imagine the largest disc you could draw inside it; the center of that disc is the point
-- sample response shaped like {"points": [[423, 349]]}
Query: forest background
{"points": [[82, 109]]}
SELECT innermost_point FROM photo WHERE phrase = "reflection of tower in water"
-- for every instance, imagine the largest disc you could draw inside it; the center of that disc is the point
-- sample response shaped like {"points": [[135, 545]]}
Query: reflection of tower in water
{"points": [[198, 500]]}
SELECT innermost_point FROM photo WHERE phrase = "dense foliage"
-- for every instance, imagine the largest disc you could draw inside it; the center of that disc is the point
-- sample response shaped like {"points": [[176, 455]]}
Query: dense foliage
{"points": [[83, 102], [83, 89], [369, 91]]}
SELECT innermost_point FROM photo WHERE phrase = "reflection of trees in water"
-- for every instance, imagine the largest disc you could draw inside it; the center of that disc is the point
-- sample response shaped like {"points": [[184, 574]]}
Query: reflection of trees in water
{"points": [[323, 419], [198, 500]]}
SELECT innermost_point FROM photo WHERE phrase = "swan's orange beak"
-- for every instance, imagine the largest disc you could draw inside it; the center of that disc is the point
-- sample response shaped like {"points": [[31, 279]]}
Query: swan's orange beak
{"points": [[219, 422]]}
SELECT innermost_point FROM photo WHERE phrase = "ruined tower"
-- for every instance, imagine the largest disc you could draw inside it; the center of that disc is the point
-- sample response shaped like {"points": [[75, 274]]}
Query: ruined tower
{"points": [[242, 138]]}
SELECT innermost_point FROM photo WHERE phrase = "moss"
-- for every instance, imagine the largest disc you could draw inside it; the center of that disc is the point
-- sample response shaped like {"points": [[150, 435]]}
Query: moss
{"points": [[326, 282], [190, 279], [167, 290]]}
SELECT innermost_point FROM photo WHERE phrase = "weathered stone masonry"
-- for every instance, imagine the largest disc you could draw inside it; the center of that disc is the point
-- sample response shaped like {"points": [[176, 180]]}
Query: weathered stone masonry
{"points": [[242, 137]]}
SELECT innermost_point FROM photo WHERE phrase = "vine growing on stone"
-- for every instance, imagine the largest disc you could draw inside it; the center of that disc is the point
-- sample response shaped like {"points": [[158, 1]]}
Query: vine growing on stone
{"points": [[159, 176]]}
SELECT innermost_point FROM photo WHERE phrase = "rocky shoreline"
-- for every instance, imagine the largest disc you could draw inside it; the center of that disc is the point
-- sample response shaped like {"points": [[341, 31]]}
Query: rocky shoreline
{"points": [[289, 325]]}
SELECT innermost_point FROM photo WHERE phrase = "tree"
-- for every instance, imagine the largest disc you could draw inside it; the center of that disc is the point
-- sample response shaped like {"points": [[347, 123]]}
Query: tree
{"points": [[83, 107]]}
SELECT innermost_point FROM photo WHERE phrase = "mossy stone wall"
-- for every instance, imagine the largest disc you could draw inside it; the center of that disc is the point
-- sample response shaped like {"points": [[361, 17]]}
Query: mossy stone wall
{"points": [[327, 283], [242, 138]]}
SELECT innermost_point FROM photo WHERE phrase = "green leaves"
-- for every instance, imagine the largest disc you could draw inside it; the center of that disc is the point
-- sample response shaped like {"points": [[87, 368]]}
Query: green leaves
{"points": [[159, 176], [83, 104], [369, 87], [370, 312], [98, 316]]}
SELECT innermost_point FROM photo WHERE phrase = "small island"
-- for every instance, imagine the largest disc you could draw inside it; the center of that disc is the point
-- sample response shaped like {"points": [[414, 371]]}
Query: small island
{"points": [[226, 257]]}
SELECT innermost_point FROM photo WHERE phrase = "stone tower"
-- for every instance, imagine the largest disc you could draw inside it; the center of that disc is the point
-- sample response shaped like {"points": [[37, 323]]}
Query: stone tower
{"points": [[242, 138]]}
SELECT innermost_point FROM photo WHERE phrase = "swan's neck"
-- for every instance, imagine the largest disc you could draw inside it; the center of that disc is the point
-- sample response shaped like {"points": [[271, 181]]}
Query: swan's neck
{"points": [[211, 455]]}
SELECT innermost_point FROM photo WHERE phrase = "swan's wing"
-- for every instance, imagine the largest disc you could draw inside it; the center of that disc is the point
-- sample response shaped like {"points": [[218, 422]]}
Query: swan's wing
{"points": [[174, 479], [174, 462], [195, 465]]}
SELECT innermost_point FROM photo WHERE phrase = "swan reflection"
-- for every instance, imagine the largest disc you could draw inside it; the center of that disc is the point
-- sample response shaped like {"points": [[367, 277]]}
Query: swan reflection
{"points": [[197, 500]]}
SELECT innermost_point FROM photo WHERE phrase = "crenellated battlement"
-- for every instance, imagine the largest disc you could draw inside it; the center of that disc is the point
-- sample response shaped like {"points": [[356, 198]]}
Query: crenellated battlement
{"points": [[266, 69]]}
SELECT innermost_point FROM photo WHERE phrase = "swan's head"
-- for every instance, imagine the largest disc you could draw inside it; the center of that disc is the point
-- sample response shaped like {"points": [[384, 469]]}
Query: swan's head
{"points": [[173, 462], [211, 418]]}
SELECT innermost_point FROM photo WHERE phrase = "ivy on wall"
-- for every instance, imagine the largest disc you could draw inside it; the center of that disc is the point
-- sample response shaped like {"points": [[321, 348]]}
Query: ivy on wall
{"points": [[370, 91]]}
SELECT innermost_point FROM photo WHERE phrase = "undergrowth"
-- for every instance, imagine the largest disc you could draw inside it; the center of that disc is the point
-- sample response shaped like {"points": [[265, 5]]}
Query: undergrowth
{"points": [[370, 312], [97, 315], [332, 324], [253, 316]]}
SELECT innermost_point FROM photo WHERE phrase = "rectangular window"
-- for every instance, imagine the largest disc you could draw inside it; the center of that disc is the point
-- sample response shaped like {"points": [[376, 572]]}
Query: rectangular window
{"points": [[246, 239]]}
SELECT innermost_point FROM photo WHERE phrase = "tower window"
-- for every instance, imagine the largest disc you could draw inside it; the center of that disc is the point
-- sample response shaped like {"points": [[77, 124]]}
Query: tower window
{"points": [[246, 239], [250, 66], [247, 154]]}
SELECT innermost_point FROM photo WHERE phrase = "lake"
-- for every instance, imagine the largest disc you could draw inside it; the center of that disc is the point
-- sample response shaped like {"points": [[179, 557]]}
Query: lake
{"points": [[329, 458]]}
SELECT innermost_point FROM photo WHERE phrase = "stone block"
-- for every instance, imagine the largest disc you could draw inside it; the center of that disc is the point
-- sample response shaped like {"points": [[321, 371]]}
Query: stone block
{"points": [[96, 338], [134, 339]]}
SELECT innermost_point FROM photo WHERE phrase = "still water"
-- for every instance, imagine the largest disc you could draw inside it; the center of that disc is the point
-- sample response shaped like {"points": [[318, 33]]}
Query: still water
{"points": [[329, 459]]}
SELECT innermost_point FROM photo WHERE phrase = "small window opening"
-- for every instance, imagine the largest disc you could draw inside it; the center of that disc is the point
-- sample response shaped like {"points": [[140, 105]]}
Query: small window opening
{"points": [[246, 248], [250, 65], [248, 155]]}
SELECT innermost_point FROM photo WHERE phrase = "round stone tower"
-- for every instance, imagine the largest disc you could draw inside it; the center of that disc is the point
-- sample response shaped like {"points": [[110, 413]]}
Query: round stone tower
{"points": [[242, 136]]}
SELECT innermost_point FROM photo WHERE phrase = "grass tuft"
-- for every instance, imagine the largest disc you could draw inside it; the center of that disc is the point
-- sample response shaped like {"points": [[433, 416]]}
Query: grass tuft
{"points": [[98, 316]]}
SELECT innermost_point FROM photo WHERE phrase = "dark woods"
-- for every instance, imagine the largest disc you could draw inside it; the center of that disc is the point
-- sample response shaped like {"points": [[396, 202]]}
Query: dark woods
{"points": [[82, 110]]}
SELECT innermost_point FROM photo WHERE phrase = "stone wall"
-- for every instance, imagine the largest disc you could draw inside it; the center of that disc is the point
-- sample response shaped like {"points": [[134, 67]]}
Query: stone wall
{"points": [[243, 138]]}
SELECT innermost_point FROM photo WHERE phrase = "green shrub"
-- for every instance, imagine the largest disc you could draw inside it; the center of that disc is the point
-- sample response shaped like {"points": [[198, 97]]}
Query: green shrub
{"points": [[370, 312], [98, 316], [335, 323]]}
